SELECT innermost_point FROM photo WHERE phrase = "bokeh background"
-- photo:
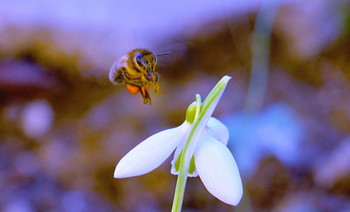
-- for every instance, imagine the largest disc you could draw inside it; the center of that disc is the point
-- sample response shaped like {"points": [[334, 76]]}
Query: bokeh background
{"points": [[64, 127]]}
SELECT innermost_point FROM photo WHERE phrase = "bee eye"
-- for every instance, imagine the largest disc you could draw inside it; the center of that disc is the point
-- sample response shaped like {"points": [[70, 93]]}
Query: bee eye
{"points": [[139, 59]]}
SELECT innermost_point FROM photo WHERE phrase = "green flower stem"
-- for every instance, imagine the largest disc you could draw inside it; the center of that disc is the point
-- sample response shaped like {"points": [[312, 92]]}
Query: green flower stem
{"points": [[184, 164], [203, 113]]}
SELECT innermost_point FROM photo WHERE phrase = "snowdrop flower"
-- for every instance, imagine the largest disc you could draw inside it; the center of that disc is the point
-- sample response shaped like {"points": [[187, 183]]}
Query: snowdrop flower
{"points": [[210, 158]]}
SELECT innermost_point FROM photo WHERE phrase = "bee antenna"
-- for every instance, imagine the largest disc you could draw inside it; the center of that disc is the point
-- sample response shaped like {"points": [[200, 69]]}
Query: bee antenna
{"points": [[163, 53]]}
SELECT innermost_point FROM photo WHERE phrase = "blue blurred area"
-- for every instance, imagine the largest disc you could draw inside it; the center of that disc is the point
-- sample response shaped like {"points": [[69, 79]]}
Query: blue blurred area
{"points": [[118, 26], [275, 131]]}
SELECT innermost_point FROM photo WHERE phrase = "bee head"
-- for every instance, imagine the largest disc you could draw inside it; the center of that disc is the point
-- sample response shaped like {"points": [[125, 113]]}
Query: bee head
{"points": [[144, 59]]}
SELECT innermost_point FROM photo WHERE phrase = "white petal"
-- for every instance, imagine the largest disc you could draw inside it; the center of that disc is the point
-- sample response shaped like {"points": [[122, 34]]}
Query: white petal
{"points": [[218, 170], [218, 130], [150, 153]]}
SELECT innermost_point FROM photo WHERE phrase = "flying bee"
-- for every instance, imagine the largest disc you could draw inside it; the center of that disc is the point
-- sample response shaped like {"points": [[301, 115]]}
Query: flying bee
{"points": [[136, 70]]}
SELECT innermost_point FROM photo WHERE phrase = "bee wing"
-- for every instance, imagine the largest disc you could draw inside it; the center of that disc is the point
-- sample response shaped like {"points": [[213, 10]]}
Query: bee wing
{"points": [[116, 72]]}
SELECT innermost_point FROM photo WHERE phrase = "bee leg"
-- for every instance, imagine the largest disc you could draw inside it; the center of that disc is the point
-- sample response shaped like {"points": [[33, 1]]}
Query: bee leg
{"points": [[154, 83], [145, 95], [156, 89]]}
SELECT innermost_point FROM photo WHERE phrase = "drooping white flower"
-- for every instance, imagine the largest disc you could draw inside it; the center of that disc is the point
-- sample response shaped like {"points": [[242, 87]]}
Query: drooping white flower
{"points": [[211, 160]]}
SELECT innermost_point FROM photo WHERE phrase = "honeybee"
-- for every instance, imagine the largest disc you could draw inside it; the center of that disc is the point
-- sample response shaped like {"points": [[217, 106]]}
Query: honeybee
{"points": [[136, 70]]}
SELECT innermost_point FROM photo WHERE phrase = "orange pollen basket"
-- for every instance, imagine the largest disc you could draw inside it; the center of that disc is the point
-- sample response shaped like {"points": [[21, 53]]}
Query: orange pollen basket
{"points": [[135, 89], [132, 89]]}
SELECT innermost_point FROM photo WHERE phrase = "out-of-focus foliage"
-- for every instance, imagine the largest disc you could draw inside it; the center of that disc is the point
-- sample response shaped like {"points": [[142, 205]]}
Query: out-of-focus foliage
{"points": [[64, 127]]}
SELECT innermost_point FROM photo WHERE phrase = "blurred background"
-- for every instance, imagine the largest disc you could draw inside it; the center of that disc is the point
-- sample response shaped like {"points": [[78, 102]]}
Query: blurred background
{"points": [[64, 126]]}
